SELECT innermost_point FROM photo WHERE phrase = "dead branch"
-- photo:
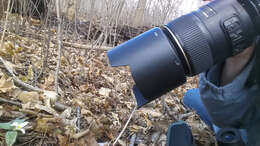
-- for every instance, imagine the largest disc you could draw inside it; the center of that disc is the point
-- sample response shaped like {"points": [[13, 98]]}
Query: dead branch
{"points": [[87, 47], [18, 81], [57, 105], [33, 113], [10, 102], [81, 134], [7, 114]]}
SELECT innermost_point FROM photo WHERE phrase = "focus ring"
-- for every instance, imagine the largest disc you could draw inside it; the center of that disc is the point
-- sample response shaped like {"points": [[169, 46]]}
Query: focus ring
{"points": [[194, 43]]}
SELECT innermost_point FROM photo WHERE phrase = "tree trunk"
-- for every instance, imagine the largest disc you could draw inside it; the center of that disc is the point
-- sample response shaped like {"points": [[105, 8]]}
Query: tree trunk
{"points": [[3, 7], [139, 13]]}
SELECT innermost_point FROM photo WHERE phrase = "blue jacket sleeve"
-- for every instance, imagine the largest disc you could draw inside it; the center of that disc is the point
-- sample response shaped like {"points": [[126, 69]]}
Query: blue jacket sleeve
{"points": [[227, 104]]}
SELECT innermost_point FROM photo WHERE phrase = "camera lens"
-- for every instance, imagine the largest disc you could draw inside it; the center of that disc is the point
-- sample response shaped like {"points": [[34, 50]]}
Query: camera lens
{"points": [[161, 58]]}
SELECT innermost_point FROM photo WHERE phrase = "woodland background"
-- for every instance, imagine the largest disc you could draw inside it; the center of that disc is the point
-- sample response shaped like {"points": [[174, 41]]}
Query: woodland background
{"points": [[55, 76]]}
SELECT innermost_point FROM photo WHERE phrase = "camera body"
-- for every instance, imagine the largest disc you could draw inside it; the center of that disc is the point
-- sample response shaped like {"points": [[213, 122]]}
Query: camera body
{"points": [[161, 58]]}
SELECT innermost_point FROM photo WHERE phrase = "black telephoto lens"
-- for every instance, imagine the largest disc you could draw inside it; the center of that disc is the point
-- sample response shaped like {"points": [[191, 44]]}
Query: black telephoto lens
{"points": [[161, 58]]}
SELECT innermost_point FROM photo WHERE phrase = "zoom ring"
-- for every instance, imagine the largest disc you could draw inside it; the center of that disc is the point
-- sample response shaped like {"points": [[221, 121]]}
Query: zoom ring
{"points": [[194, 43]]}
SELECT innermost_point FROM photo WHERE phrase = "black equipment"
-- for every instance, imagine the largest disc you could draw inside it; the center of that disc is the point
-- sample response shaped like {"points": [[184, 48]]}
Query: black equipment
{"points": [[229, 137], [179, 134], [161, 58]]}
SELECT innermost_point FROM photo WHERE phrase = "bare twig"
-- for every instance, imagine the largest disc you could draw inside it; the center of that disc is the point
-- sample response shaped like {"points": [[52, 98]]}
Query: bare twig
{"points": [[59, 36], [123, 130], [78, 119], [83, 133], [10, 102], [186, 115], [7, 114], [30, 112]]}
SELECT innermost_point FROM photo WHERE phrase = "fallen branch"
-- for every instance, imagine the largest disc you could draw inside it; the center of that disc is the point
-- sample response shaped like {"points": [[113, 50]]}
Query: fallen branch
{"points": [[64, 43], [57, 105], [30, 112], [81, 134], [4, 114], [80, 46], [10, 102]]}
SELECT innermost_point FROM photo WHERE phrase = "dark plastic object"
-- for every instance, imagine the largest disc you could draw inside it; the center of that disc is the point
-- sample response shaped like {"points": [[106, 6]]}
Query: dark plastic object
{"points": [[154, 63], [229, 137], [179, 134]]}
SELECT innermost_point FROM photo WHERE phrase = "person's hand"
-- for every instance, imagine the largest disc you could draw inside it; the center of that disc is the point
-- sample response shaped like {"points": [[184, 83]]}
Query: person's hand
{"points": [[234, 65]]}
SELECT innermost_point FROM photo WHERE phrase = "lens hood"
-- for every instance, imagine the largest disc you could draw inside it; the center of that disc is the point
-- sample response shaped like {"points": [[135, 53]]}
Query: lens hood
{"points": [[154, 64]]}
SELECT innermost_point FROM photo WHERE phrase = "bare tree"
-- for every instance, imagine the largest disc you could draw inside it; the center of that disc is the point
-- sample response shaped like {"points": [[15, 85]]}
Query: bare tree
{"points": [[59, 40]]}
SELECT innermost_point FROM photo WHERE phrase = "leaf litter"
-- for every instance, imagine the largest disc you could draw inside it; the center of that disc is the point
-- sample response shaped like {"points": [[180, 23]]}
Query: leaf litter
{"points": [[102, 93]]}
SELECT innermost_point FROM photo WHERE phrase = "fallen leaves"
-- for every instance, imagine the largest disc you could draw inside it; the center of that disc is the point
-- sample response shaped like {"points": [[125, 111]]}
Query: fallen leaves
{"points": [[102, 93], [6, 84]]}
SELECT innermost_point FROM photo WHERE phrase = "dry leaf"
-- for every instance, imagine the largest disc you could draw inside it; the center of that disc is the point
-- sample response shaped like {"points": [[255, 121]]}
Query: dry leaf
{"points": [[29, 76], [26, 97], [15, 92], [104, 91], [84, 87], [122, 143], [136, 128], [86, 112], [66, 113], [63, 140], [6, 84], [152, 112], [45, 125], [49, 81], [88, 140], [91, 141], [8, 48], [49, 97]]}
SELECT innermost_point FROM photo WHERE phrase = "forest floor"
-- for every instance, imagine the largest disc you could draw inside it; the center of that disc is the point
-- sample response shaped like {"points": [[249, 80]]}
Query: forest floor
{"points": [[94, 100]]}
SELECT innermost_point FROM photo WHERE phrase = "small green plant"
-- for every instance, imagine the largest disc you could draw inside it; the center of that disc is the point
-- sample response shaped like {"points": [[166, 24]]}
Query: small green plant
{"points": [[12, 127]]}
